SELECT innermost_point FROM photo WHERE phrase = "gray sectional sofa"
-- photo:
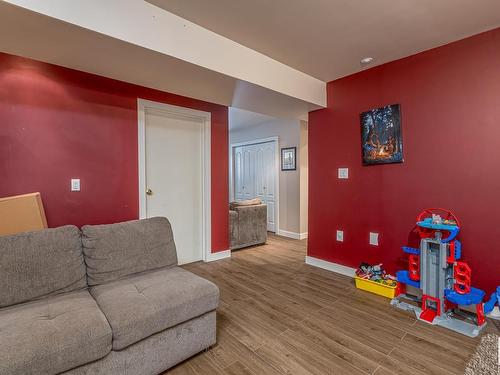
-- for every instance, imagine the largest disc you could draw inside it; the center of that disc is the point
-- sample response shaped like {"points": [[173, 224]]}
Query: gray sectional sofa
{"points": [[108, 299], [247, 223]]}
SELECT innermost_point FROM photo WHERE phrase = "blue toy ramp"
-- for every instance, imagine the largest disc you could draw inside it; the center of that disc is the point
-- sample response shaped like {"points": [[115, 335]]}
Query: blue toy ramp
{"points": [[453, 229], [473, 298], [411, 250], [494, 299], [458, 250], [404, 277]]}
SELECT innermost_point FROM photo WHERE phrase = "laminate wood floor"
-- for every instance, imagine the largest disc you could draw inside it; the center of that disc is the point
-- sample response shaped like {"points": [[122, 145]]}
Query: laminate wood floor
{"points": [[280, 316]]}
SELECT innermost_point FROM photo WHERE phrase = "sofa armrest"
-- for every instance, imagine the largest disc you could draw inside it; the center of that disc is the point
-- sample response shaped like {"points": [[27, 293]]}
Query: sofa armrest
{"points": [[252, 224], [233, 229]]}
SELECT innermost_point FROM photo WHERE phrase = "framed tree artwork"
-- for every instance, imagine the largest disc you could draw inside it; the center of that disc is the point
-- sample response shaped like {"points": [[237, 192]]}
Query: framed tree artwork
{"points": [[381, 138], [288, 159]]}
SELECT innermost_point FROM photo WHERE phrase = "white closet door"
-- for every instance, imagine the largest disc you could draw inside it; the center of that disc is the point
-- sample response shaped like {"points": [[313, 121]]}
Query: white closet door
{"points": [[260, 174], [255, 176], [238, 173], [248, 172], [265, 183], [269, 178]]}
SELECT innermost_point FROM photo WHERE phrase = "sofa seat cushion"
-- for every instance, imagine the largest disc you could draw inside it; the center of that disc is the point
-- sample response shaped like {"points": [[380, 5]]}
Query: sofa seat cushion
{"points": [[52, 335], [138, 306]]}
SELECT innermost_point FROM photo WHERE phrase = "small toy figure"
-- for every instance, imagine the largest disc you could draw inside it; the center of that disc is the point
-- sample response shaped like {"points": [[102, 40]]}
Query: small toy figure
{"points": [[436, 219]]}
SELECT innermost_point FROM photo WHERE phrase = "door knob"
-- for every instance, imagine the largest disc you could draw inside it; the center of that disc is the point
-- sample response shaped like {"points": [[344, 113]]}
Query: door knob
{"points": [[149, 192]]}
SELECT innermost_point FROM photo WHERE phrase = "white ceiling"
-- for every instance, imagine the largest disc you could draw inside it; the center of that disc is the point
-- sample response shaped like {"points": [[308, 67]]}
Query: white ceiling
{"points": [[240, 118], [277, 47], [32, 29], [327, 38]]}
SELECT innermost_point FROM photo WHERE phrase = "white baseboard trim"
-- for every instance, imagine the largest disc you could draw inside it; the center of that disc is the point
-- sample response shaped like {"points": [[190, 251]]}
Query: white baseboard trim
{"points": [[294, 235], [212, 257], [334, 267]]}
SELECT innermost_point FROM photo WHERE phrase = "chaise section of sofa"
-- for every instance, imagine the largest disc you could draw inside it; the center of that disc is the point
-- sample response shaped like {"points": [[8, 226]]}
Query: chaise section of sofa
{"points": [[158, 352], [49, 323], [142, 305], [159, 313]]}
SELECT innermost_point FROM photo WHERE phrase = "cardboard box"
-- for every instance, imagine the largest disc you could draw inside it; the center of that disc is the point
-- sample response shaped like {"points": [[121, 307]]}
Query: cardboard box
{"points": [[21, 213]]}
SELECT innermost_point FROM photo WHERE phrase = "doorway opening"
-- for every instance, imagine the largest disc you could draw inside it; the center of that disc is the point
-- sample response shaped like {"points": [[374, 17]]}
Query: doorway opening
{"points": [[255, 174], [258, 170]]}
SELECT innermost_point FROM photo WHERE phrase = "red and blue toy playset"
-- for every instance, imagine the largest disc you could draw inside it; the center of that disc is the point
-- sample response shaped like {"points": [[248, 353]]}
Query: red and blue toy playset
{"points": [[438, 280]]}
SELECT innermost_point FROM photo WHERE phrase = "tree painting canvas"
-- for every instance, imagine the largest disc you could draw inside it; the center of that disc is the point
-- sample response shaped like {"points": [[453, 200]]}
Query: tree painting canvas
{"points": [[381, 139]]}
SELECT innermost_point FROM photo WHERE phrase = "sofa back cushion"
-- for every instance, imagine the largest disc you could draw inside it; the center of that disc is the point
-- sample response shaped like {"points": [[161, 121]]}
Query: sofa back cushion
{"points": [[38, 264], [116, 250], [244, 203]]}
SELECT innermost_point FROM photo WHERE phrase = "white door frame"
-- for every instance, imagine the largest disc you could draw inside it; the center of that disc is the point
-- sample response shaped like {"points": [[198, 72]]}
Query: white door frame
{"points": [[276, 165], [142, 106]]}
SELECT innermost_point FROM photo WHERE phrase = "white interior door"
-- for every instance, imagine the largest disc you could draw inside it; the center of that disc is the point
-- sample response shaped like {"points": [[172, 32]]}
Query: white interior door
{"points": [[174, 175], [269, 180], [238, 173], [248, 172], [254, 175]]}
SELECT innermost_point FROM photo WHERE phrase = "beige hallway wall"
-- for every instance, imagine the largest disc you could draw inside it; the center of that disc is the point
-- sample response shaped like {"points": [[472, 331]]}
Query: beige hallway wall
{"points": [[304, 174]]}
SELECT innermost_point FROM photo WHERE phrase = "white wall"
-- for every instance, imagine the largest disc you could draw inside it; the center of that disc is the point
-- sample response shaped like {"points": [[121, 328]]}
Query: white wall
{"points": [[304, 175], [291, 196]]}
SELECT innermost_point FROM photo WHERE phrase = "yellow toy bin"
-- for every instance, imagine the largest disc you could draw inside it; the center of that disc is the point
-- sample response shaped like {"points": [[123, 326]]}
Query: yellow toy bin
{"points": [[375, 287]]}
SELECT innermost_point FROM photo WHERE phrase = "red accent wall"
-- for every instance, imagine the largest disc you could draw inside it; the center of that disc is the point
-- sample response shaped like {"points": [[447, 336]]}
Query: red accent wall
{"points": [[450, 104], [58, 123]]}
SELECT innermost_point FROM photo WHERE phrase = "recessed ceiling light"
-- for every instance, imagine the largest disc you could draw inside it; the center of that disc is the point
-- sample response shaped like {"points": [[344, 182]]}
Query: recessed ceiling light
{"points": [[366, 61]]}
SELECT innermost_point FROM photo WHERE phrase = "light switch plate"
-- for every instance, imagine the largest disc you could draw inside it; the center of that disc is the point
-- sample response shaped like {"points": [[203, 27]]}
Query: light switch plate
{"points": [[340, 235], [75, 184], [343, 173], [374, 239]]}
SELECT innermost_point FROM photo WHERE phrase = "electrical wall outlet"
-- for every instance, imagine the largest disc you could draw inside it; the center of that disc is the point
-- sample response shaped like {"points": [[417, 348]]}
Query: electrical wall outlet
{"points": [[340, 235], [343, 173], [75, 184], [374, 239]]}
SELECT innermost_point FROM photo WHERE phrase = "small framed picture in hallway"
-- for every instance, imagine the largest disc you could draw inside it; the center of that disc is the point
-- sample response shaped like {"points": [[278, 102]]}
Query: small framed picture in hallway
{"points": [[288, 159]]}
